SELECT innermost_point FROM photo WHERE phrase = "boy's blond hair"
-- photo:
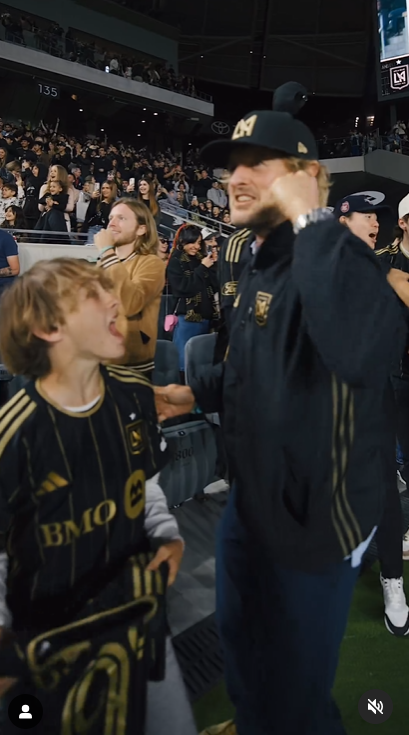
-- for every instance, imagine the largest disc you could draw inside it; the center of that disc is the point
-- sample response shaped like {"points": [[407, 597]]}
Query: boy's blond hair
{"points": [[39, 300]]}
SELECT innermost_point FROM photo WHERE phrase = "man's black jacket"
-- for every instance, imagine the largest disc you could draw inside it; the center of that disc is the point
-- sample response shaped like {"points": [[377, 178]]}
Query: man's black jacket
{"points": [[304, 391]]}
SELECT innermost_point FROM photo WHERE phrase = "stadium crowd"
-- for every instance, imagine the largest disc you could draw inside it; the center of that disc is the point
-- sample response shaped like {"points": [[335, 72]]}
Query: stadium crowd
{"points": [[51, 38], [92, 174]]}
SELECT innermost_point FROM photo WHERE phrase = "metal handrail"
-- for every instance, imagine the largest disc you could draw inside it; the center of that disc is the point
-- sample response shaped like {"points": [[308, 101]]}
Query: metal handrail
{"points": [[189, 217], [42, 237]]}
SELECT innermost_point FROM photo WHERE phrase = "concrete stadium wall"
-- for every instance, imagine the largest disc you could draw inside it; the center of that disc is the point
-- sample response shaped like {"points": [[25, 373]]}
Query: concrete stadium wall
{"points": [[393, 166]]}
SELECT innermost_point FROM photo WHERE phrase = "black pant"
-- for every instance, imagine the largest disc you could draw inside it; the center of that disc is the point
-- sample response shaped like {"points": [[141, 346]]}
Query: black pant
{"points": [[401, 390], [389, 534]]}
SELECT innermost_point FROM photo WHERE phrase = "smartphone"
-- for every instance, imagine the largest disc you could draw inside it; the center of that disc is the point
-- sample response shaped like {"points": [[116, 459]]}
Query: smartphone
{"points": [[97, 186], [131, 182]]}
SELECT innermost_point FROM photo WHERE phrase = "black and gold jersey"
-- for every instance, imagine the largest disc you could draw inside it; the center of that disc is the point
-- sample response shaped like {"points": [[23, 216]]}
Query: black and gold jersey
{"points": [[394, 256], [234, 256], [72, 488]]}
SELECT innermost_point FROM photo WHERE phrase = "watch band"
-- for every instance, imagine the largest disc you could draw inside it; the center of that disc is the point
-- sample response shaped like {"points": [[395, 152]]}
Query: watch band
{"points": [[311, 218]]}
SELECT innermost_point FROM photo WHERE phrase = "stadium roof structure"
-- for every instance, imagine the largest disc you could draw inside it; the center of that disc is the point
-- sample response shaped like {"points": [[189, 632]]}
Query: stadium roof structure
{"points": [[261, 44]]}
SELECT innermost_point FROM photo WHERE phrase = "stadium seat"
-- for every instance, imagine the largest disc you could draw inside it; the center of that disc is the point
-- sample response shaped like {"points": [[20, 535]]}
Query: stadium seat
{"points": [[166, 363], [192, 459], [191, 439], [199, 353]]}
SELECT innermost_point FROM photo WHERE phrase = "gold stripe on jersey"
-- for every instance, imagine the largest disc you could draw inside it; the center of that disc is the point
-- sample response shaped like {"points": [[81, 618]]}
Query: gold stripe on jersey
{"points": [[11, 403], [392, 249], [350, 428], [239, 246], [13, 410], [60, 442], [235, 246], [345, 522], [126, 375], [104, 490], [10, 425], [52, 483]]}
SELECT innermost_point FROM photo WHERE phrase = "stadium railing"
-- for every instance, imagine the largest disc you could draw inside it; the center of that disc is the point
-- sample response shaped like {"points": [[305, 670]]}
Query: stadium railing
{"points": [[40, 237], [174, 217], [394, 144]]}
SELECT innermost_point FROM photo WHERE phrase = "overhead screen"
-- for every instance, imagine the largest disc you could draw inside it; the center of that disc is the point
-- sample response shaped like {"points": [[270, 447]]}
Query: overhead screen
{"points": [[393, 48]]}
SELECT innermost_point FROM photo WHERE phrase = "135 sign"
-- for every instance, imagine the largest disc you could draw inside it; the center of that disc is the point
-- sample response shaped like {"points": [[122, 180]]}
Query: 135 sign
{"points": [[48, 90]]}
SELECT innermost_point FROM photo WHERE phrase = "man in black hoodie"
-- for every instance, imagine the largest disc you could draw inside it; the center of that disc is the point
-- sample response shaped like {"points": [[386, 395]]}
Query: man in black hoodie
{"points": [[308, 424]]}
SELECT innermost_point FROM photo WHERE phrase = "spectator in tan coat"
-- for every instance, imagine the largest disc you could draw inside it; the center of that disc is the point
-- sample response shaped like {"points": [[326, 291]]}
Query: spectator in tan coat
{"points": [[128, 250]]}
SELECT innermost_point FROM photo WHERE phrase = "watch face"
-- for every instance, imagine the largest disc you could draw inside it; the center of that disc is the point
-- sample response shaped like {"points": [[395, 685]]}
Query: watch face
{"points": [[317, 215]]}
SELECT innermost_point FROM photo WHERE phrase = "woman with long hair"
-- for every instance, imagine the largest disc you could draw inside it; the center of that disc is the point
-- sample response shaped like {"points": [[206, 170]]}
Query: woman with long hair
{"points": [[15, 220], [192, 278], [34, 180], [129, 250], [97, 216], [59, 173], [3, 156], [146, 195]]}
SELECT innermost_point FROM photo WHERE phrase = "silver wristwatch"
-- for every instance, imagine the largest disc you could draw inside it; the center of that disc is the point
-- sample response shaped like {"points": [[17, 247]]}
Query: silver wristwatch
{"points": [[316, 215]]}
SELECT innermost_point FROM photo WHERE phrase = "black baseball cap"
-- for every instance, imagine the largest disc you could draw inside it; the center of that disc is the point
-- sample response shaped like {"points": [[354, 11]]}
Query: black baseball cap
{"points": [[275, 129], [357, 203]]}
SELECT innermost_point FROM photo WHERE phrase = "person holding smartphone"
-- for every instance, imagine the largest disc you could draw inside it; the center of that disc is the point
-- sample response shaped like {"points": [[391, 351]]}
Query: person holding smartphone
{"points": [[97, 216], [192, 277]]}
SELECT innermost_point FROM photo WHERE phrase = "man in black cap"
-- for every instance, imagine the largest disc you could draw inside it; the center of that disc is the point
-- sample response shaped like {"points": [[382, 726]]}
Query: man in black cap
{"points": [[304, 392]]}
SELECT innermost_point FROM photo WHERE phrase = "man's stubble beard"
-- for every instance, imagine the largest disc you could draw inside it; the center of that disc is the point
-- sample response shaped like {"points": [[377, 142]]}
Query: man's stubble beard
{"points": [[261, 222], [122, 241]]}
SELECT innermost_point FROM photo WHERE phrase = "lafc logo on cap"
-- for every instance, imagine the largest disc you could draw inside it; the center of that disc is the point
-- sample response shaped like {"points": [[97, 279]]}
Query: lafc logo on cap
{"points": [[302, 148], [244, 128]]}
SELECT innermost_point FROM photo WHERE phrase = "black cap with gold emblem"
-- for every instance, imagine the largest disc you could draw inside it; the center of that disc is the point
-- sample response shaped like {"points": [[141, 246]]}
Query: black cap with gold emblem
{"points": [[276, 130]]}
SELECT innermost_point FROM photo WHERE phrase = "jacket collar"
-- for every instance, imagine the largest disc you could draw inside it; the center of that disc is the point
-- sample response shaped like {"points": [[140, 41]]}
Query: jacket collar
{"points": [[278, 246]]}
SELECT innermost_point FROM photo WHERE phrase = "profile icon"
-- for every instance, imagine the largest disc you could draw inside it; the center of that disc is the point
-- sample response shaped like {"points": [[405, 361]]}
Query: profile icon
{"points": [[25, 713]]}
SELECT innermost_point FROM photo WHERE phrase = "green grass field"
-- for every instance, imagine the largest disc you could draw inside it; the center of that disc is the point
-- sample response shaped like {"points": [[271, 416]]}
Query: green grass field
{"points": [[371, 658]]}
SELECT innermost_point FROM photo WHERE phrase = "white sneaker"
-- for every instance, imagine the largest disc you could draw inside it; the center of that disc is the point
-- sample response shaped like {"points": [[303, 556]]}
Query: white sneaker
{"points": [[405, 546], [402, 486], [396, 609]]}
